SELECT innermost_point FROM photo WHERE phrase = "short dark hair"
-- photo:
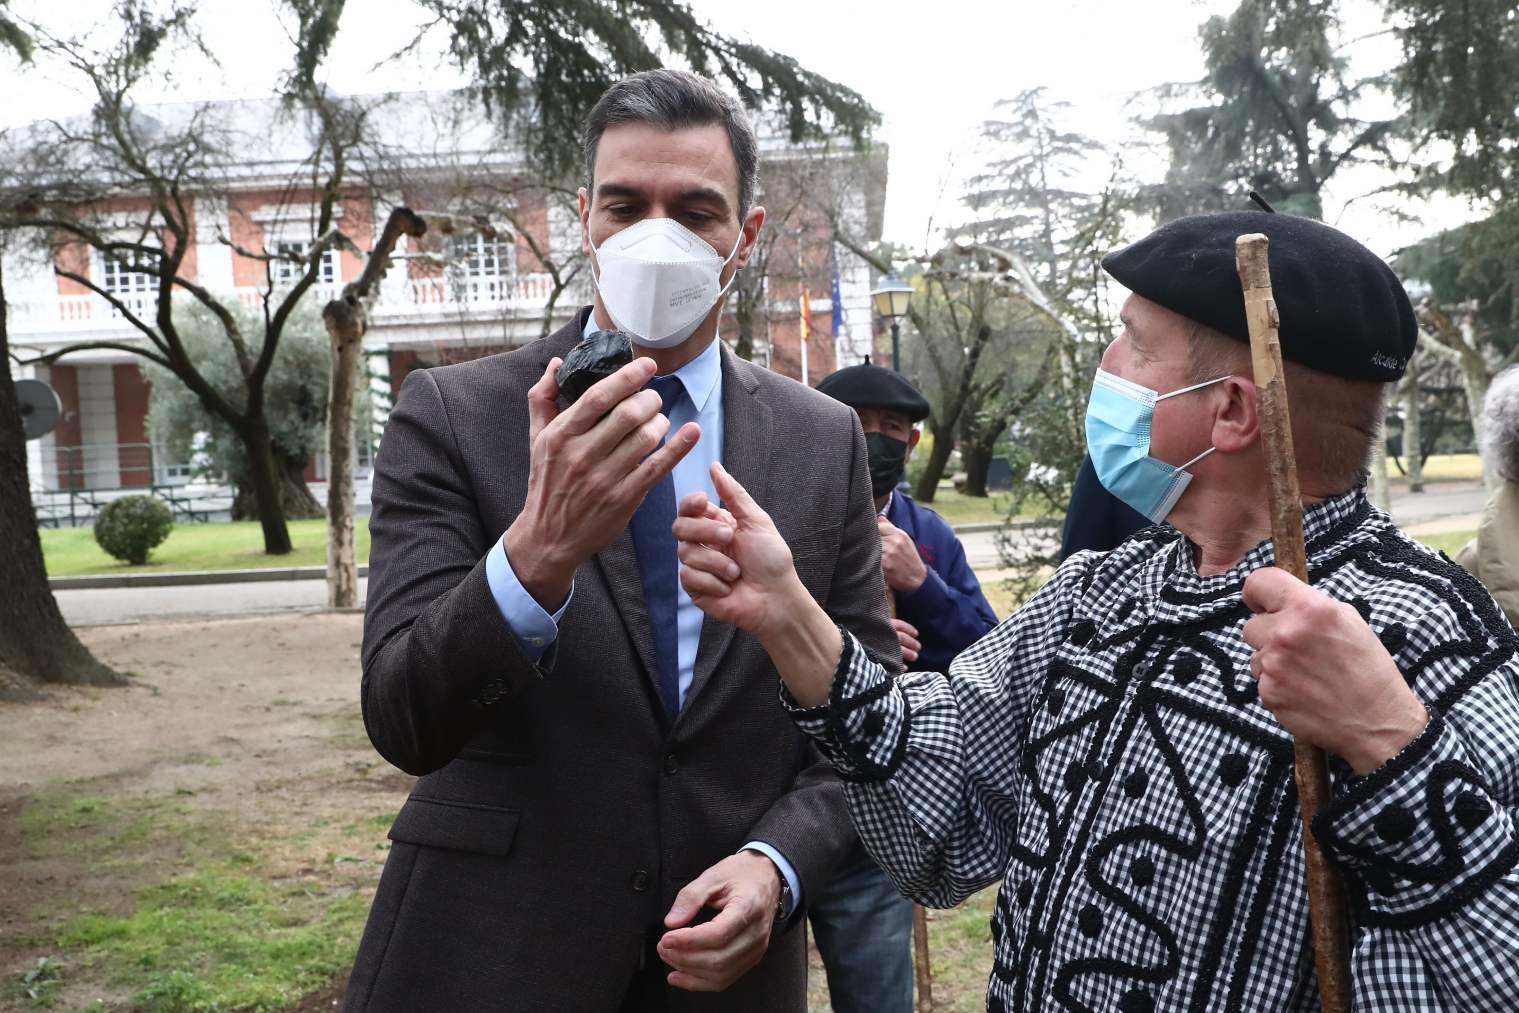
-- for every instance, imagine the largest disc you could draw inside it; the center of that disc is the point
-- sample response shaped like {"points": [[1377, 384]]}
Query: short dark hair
{"points": [[675, 100]]}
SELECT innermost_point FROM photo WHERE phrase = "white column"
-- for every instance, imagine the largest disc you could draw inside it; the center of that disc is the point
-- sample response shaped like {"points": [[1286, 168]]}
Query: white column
{"points": [[213, 258], [97, 427]]}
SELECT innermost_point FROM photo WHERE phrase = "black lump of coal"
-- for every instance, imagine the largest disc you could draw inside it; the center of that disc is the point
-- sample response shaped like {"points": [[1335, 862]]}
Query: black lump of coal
{"points": [[595, 358]]}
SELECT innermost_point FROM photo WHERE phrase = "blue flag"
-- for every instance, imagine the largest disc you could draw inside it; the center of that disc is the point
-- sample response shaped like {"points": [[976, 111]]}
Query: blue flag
{"points": [[838, 303]]}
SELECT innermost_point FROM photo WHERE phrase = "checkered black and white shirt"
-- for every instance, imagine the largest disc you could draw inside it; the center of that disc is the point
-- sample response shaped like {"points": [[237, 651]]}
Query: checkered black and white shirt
{"points": [[1102, 753]]}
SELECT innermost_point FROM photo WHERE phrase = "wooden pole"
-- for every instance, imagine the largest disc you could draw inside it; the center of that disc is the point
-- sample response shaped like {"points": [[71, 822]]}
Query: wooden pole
{"points": [[1326, 891], [347, 319], [923, 971]]}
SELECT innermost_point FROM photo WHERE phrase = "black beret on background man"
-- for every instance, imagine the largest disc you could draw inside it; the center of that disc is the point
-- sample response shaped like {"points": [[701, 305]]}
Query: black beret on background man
{"points": [[1151, 695]]}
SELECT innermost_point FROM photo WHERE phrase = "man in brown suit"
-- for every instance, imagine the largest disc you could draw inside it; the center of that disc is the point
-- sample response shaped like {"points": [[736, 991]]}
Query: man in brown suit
{"points": [[612, 812]]}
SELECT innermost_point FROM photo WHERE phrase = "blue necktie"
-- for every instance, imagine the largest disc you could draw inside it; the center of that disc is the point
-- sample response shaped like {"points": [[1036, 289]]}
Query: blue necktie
{"points": [[658, 567]]}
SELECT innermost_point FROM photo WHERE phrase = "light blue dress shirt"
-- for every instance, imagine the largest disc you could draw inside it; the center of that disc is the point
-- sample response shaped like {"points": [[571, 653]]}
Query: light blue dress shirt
{"points": [[535, 629]]}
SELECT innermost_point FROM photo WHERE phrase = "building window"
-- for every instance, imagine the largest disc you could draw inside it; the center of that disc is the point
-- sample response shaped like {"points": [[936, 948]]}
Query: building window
{"points": [[479, 269], [126, 277], [285, 273]]}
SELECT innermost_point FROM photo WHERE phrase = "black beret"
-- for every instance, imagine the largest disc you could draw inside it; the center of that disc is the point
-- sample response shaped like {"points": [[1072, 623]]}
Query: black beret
{"points": [[870, 386], [1342, 309]]}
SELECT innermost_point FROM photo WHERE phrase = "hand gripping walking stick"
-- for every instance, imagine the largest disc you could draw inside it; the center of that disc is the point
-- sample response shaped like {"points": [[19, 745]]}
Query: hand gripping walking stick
{"points": [[1326, 891]]}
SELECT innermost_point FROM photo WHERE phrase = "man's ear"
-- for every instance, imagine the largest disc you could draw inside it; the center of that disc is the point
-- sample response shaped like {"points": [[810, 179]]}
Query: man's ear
{"points": [[585, 221], [912, 441], [753, 223], [1237, 417]]}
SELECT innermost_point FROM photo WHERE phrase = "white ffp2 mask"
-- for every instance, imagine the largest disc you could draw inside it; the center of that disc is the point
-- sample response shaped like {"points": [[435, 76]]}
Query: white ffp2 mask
{"points": [[658, 280]]}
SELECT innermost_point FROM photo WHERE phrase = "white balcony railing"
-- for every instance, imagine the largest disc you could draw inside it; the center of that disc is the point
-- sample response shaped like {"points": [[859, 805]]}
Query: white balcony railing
{"points": [[76, 315]]}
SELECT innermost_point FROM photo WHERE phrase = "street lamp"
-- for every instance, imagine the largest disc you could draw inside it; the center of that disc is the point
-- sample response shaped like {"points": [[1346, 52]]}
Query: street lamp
{"points": [[890, 301]]}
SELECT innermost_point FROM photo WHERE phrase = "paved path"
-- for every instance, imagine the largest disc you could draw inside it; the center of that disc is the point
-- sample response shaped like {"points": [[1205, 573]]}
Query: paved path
{"points": [[93, 607], [1447, 506]]}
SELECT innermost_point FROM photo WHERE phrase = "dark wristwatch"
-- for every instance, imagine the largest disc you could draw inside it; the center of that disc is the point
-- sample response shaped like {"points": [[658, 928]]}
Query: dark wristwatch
{"points": [[783, 902]]}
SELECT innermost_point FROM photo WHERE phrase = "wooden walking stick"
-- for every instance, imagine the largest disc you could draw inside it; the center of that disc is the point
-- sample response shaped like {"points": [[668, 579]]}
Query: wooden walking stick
{"points": [[921, 968], [1326, 891]]}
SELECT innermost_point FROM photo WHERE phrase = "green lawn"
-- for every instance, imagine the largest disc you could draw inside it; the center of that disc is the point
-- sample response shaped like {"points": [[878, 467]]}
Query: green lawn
{"points": [[1449, 542], [239, 545], [1444, 468], [958, 508]]}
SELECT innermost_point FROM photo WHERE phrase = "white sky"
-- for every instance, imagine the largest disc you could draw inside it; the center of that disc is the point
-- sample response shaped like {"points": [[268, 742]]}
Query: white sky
{"points": [[934, 70]]}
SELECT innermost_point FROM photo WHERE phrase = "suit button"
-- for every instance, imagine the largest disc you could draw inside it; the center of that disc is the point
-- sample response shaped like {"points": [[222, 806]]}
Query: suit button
{"points": [[671, 766], [640, 881]]}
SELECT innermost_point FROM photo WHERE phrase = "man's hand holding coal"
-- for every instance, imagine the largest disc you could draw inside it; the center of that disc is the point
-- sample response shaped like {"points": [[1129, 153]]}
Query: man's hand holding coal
{"points": [[1324, 674], [591, 466]]}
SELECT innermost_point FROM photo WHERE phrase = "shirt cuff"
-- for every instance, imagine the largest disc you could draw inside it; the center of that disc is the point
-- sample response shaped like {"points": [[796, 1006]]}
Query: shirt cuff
{"points": [[786, 870], [533, 628], [1421, 834], [862, 729]]}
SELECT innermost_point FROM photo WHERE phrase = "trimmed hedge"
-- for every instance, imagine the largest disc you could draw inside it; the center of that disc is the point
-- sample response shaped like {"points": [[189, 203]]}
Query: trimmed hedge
{"points": [[131, 527]]}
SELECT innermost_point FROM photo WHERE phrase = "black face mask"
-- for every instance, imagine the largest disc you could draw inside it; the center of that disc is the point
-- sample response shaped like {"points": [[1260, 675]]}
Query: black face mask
{"points": [[888, 461]]}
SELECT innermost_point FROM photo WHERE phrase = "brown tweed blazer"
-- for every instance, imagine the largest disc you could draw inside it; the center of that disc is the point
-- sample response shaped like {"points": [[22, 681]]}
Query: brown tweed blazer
{"points": [[556, 815]]}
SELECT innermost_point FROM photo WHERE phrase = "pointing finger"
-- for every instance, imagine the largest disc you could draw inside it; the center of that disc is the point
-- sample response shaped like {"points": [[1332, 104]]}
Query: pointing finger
{"points": [[734, 496]]}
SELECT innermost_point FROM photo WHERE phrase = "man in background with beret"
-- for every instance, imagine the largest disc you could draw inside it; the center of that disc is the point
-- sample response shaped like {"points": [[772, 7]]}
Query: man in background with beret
{"points": [[863, 926], [1119, 752]]}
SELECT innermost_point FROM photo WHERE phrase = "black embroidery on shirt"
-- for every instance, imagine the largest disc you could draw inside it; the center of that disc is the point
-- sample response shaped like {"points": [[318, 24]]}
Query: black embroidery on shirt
{"points": [[1394, 824], [1061, 882], [1428, 895], [1188, 848], [1232, 769], [1284, 846], [1472, 810], [1267, 795]]}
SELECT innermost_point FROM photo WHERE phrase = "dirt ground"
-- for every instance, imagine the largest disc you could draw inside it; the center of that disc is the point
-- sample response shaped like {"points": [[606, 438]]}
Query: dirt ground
{"points": [[240, 729], [238, 740]]}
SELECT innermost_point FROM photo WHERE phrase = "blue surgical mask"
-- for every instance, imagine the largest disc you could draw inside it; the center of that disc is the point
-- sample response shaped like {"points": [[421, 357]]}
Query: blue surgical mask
{"points": [[1118, 439]]}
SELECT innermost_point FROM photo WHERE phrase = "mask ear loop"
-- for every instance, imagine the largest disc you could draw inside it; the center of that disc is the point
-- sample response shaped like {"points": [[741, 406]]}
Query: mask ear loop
{"points": [[722, 292], [1199, 457], [1195, 386], [1184, 390]]}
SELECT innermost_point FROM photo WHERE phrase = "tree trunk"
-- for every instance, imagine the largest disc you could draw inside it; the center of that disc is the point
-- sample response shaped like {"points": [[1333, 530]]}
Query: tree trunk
{"points": [[36, 645], [295, 494], [978, 461], [1413, 439], [265, 480], [928, 483], [743, 315], [1476, 379], [345, 328]]}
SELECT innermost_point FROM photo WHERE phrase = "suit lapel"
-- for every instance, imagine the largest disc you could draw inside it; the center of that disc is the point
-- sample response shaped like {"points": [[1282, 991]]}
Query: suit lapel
{"points": [[746, 456]]}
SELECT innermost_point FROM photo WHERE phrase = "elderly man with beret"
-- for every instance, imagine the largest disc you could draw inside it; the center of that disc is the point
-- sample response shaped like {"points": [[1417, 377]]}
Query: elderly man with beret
{"points": [[1118, 754]]}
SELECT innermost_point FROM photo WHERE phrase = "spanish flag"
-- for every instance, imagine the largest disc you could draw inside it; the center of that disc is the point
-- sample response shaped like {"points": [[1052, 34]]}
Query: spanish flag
{"points": [[806, 308]]}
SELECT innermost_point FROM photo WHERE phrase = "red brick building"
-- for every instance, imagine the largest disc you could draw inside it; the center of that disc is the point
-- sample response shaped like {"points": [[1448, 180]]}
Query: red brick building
{"points": [[455, 296]]}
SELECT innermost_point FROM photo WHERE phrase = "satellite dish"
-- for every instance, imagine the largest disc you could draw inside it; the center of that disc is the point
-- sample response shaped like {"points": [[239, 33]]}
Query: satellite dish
{"points": [[40, 408]]}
